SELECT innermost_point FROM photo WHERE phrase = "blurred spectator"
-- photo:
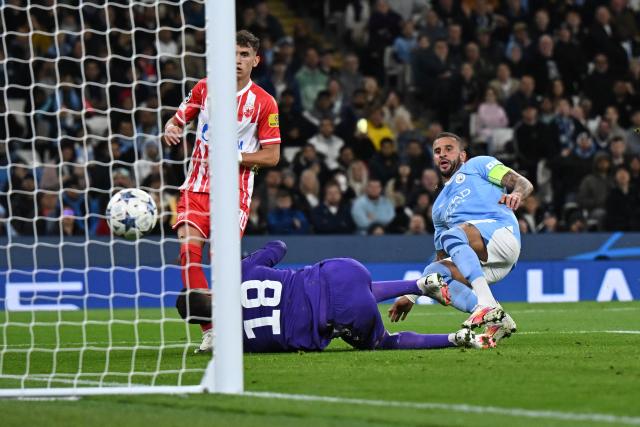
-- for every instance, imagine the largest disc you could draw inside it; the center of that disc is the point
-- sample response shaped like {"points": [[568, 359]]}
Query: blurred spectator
{"points": [[327, 143], [405, 43], [322, 109], [310, 79], [604, 37], [383, 164], [545, 64], [417, 225], [338, 97], [516, 61], [375, 229], [149, 162], [373, 92], [504, 85], [491, 116], [594, 189], [394, 110], [572, 62], [332, 216], [622, 204], [533, 141], [358, 177], [402, 184], [549, 223], [567, 126], [416, 159], [293, 127], [522, 98], [372, 207], [257, 221], [618, 150], [377, 130], [598, 85], [309, 158], [276, 82], [624, 101], [22, 202], [285, 219], [634, 170], [429, 183], [430, 25], [265, 23], [633, 133], [467, 98], [69, 223], [570, 168], [268, 189], [356, 19], [309, 189], [384, 27], [350, 76]]}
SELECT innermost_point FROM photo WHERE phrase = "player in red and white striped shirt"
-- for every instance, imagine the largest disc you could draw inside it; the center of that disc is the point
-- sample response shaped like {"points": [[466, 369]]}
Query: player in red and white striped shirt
{"points": [[258, 145]]}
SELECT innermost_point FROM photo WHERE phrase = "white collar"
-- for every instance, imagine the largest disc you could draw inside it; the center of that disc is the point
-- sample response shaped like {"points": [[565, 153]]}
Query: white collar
{"points": [[244, 89]]}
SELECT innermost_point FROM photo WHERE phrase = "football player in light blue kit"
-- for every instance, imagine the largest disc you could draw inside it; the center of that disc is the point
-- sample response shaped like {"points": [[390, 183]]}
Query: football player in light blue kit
{"points": [[477, 237]]}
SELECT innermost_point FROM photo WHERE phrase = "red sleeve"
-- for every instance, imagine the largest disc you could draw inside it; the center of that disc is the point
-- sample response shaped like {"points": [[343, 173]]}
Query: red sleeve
{"points": [[268, 122], [190, 107]]}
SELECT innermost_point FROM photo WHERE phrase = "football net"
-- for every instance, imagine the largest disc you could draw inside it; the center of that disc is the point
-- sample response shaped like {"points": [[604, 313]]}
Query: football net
{"points": [[87, 87]]}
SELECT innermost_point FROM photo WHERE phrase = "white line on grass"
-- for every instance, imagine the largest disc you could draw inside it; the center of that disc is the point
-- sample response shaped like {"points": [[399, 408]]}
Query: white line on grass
{"points": [[578, 332], [457, 407], [47, 378], [163, 344], [527, 311]]}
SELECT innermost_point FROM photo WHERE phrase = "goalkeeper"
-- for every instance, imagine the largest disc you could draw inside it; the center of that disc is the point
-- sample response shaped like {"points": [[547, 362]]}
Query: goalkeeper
{"points": [[304, 309]]}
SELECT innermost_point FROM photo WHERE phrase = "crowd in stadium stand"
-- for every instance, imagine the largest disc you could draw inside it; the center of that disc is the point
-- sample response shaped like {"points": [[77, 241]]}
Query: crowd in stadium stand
{"points": [[552, 88]]}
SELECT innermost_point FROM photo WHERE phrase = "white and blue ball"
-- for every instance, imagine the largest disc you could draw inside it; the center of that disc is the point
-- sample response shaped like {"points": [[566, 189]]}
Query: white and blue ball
{"points": [[132, 213]]}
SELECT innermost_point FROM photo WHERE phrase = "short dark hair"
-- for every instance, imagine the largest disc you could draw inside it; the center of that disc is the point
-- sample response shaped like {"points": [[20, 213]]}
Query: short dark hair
{"points": [[450, 135], [246, 38]]}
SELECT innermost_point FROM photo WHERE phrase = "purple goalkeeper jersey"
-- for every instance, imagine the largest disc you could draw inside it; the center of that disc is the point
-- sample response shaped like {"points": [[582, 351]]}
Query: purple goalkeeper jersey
{"points": [[303, 309]]}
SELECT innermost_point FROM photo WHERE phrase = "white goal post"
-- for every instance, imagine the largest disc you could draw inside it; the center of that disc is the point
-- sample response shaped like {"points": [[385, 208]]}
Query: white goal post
{"points": [[83, 312]]}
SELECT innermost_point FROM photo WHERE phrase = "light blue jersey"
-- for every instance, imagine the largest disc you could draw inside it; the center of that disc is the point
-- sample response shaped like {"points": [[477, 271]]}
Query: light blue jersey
{"points": [[472, 195]]}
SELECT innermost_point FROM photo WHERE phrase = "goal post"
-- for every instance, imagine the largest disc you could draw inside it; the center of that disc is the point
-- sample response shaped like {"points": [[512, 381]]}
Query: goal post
{"points": [[223, 155], [88, 86]]}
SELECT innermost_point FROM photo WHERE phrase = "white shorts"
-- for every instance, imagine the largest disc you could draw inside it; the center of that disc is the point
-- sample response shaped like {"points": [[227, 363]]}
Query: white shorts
{"points": [[503, 250]]}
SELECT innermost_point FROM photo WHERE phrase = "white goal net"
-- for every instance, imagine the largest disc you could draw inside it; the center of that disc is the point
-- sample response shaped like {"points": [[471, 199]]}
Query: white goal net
{"points": [[86, 88]]}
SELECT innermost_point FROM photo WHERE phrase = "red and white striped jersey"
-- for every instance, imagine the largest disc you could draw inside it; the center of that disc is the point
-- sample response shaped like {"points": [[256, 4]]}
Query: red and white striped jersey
{"points": [[258, 125]]}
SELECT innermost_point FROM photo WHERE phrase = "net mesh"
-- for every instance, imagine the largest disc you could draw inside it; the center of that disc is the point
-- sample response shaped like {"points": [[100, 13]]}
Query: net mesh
{"points": [[86, 87]]}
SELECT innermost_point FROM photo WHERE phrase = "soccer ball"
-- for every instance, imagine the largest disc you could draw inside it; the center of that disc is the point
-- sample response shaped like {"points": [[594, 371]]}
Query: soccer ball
{"points": [[131, 213]]}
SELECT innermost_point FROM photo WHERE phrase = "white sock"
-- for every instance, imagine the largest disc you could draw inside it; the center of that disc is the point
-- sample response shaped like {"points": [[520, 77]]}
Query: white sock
{"points": [[482, 291], [452, 338]]}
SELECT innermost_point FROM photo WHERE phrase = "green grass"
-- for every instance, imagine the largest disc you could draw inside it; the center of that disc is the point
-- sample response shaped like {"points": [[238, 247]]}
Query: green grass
{"points": [[561, 360]]}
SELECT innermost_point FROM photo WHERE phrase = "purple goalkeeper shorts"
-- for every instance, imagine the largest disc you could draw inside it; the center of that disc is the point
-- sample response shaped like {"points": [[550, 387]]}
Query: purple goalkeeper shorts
{"points": [[351, 306]]}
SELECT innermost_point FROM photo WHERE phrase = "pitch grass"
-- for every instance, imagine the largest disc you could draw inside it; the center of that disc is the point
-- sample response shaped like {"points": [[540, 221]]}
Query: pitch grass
{"points": [[560, 360]]}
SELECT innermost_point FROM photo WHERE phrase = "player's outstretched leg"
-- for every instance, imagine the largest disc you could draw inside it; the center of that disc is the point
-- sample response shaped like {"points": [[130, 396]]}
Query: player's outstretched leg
{"points": [[408, 340], [456, 243]]}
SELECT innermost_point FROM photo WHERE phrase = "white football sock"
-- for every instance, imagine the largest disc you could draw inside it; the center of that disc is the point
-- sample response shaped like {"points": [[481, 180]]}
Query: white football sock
{"points": [[482, 291]]}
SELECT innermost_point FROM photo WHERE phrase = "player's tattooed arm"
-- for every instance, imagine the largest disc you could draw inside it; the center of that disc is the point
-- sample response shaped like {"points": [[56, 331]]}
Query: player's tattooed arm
{"points": [[519, 188]]}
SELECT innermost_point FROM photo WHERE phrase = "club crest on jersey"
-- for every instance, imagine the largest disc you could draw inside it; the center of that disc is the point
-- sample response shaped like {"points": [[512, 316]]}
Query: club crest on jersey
{"points": [[460, 178], [247, 111]]}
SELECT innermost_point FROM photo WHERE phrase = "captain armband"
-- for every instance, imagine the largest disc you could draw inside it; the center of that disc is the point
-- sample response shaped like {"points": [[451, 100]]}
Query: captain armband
{"points": [[497, 173]]}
